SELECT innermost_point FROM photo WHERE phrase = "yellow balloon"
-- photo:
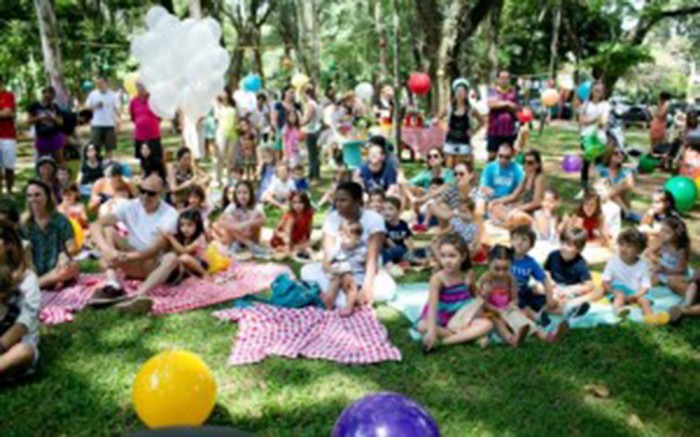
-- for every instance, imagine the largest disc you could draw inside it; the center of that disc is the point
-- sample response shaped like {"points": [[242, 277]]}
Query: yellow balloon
{"points": [[174, 388], [299, 80], [130, 83], [550, 97], [697, 183], [78, 233], [597, 279], [217, 262]]}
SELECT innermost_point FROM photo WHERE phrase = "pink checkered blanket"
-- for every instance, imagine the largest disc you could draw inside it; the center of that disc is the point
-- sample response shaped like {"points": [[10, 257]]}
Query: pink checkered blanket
{"points": [[309, 332], [238, 281]]}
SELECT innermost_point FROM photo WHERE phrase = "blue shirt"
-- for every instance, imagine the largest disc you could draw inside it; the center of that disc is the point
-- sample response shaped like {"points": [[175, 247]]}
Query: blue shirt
{"points": [[622, 174], [567, 272], [386, 177], [301, 185], [398, 233], [502, 180], [525, 268]]}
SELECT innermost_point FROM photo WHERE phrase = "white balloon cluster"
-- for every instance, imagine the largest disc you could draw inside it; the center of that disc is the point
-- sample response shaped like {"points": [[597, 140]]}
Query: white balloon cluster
{"points": [[181, 63]]}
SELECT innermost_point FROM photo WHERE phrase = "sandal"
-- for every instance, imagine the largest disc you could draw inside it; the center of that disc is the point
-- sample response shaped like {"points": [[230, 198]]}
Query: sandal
{"points": [[108, 295], [137, 306]]}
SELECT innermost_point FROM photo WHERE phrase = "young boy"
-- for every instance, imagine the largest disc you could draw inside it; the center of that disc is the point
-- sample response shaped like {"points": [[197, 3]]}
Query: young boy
{"points": [[235, 175], [628, 277], [461, 221], [527, 272], [375, 202], [397, 244], [279, 190], [300, 182], [572, 288]]}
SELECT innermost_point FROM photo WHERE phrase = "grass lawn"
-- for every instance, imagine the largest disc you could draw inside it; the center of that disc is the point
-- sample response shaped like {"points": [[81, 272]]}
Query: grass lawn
{"points": [[652, 374]]}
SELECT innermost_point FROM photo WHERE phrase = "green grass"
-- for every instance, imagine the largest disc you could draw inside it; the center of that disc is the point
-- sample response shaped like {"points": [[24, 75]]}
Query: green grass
{"points": [[87, 368]]}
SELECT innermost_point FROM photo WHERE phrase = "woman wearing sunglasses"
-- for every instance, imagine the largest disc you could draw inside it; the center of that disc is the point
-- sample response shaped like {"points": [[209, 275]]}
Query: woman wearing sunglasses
{"points": [[517, 207], [416, 187]]}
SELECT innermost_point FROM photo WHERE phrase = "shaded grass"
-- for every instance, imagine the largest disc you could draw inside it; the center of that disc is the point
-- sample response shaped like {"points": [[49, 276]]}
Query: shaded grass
{"points": [[83, 386]]}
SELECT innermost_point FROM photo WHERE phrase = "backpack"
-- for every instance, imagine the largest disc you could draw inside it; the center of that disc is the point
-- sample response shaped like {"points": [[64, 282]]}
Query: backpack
{"points": [[289, 293]]}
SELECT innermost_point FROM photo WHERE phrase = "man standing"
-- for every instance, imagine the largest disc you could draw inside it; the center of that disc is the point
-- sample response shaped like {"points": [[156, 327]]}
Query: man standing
{"points": [[104, 104], [146, 123], [47, 120], [503, 106], [8, 137]]}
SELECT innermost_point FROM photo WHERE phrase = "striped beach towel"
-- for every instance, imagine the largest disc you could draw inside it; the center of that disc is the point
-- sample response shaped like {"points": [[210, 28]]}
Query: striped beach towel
{"points": [[238, 281], [309, 332]]}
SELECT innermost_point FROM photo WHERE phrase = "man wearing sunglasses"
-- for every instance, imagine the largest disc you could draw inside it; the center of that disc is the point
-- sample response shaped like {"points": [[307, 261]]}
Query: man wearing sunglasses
{"points": [[141, 254], [502, 177]]}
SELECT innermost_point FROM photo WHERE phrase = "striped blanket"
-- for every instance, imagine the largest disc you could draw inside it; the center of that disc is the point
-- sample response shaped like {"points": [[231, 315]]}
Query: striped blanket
{"points": [[309, 332], [238, 281]]}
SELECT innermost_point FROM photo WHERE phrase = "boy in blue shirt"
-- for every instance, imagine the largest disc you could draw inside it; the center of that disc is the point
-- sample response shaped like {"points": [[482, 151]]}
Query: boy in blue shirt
{"points": [[397, 245], [531, 295]]}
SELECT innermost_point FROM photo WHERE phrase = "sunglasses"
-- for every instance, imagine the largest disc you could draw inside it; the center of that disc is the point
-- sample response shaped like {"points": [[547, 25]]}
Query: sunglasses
{"points": [[460, 173], [148, 193], [433, 156], [504, 156], [530, 162]]}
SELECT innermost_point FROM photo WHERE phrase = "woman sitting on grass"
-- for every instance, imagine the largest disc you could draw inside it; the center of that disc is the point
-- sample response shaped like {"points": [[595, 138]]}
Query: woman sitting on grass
{"points": [[51, 236]]}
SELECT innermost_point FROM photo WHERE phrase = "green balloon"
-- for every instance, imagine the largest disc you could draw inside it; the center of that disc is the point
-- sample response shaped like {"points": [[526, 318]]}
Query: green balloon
{"points": [[592, 147], [647, 164], [520, 159], [683, 191]]}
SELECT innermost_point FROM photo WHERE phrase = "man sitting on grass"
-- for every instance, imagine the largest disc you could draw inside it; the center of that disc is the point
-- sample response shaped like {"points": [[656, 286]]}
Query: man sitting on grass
{"points": [[141, 255]]}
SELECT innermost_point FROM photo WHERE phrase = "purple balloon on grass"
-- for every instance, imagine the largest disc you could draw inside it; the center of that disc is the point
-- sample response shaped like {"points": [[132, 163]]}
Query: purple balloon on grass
{"points": [[572, 163], [385, 415]]}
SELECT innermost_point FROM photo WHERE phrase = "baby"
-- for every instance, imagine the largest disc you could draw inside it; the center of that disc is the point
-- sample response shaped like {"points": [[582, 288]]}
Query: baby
{"points": [[347, 267]]}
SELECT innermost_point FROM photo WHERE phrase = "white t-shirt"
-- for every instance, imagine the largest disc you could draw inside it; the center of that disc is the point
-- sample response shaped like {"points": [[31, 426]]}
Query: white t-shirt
{"points": [[281, 190], [612, 213], [143, 227], [106, 116], [29, 302], [594, 110], [371, 222], [634, 277]]}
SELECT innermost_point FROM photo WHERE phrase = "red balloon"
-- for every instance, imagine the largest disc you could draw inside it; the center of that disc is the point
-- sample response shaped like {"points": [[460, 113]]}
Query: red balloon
{"points": [[419, 83], [525, 115]]}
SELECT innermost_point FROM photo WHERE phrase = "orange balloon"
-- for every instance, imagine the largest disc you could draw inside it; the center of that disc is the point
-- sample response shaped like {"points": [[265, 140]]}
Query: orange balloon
{"points": [[550, 97]]}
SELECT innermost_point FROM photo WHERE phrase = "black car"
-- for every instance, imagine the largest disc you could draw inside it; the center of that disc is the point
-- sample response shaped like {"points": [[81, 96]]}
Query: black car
{"points": [[637, 114]]}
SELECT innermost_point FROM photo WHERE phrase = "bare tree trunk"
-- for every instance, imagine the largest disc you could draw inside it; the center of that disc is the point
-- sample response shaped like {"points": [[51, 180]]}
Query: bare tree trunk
{"points": [[397, 79], [195, 7], [430, 36], [446, 52], [381, 36], [493, 33], [554, 47], [50, 48], [309, 39]]}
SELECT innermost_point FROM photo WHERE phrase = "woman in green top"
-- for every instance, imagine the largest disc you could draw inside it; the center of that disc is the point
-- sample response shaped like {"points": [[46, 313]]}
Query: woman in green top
{"points": [[51, 236], [416, 187]]}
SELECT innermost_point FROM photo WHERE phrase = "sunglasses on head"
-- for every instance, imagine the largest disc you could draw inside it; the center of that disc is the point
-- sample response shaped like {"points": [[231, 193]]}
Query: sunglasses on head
{"points": [[148, 193]]}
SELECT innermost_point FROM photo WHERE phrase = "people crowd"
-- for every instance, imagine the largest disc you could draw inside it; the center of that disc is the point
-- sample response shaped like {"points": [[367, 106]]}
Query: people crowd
{"points": [[156, 222]]}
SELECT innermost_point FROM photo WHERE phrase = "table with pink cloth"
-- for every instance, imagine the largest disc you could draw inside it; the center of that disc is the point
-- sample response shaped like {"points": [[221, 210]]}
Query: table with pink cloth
{"points": [[420, 139]]}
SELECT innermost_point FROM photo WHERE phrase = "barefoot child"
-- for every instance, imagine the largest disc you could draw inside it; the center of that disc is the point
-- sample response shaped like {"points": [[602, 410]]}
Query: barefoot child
{"points": [[71, 206], [452, 313], [547, 222], [190, 244], [346, 263], [292, 235], [672, 258]]}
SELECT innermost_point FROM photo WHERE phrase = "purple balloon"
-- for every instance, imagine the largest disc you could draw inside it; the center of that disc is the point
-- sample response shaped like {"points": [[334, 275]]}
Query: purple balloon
{"points": [[572, 163], [385, 414]]}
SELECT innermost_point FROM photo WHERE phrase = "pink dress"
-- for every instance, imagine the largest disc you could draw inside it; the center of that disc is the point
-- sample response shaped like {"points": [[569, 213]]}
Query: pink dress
{"points": [[291, 137]]}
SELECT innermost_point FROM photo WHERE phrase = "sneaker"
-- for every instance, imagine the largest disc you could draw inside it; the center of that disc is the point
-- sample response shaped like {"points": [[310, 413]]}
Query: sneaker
{"points": [[419, 228], [578, 311], [543, 319], [137, 306]]}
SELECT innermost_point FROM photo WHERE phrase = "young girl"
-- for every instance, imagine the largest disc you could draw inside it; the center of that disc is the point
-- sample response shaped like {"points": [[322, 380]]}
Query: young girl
{"points": [[499, 289], [71, 206], [293, 232], [663, 205], [347, 263], [462, 222], [266, 169], [91, 169], [241, 223], [589, 217], [190, 244], [547, 223], [291, 135], [197, 201], [246, 154], [452, 313], [672, 258], [227, 197]]}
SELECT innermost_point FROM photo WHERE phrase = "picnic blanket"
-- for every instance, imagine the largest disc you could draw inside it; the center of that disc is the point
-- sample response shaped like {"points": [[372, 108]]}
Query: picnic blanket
{"points": [[410, 299], [239, 280], [309, 332]]}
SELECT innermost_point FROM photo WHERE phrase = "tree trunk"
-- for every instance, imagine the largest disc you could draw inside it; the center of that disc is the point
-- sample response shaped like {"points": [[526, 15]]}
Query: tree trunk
{"points": [[554, 47], [381, 37], [50, 48], [257, 54], [309, 40], [429, 37], [195, 7], [493, 33], [397, 78]]}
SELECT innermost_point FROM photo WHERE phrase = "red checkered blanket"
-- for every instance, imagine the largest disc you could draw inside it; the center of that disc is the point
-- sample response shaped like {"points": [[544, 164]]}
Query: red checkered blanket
{"points": [[238, 281], [265, 331]]}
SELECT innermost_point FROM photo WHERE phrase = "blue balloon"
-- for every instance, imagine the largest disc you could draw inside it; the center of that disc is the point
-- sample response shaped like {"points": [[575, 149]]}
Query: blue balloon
{"points": [[584, 91], [252, 83], [385, 414]]}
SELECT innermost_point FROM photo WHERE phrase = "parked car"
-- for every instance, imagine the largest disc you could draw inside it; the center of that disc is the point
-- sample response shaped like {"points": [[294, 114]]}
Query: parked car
{"points": [[636, 115]]}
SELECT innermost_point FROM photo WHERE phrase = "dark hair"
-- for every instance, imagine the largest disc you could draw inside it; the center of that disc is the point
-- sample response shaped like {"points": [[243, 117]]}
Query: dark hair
{"points": [[377, 140], [454, 239], [354, 227], [97, 152], [72, 188], [224, 198], [575, 236], [7, 281], [154, 163], [665, 95], [437, 181], [633, 237], [50, 201], [469, 202], [181, 152], [251, 190], [377, 191], [49, 89], [304, 197], [588, 194], [353, 189], [500, 252], [394, 201], [524, 231], [114, 169], [466, 99], [669, 201], [198, 191], [680, 233], [228, 97], [8, 208], [194, 216], [14, 251], [538, 158], [296, 123], [310, 91], [297, 167]]}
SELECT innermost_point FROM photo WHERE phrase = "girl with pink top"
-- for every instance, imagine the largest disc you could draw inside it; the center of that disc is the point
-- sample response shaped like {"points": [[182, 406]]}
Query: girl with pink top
{"points": [[291, 135]]}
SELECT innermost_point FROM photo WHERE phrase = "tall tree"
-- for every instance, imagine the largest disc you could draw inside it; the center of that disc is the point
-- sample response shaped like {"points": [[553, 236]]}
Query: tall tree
{"points": [[379, 28], [310, 38], [50, 48], [554, 48]]}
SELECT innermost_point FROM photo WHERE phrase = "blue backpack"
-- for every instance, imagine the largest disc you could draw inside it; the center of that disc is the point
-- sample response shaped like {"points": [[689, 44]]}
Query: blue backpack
{"points": [[289, 293]]}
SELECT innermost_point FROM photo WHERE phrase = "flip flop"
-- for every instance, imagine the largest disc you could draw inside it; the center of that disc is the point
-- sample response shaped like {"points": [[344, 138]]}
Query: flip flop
{"points": [[137, 306], [107, 296]]}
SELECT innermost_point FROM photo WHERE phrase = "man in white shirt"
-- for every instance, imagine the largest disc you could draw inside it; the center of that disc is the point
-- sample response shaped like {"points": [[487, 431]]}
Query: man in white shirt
{"points": [[104, 104], [142, 254]]}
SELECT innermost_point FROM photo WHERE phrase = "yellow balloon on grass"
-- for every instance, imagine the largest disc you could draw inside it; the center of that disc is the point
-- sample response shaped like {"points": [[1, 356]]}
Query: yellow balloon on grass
{"points": [[217, 262], [550, 97], [174, 388], [130, 83], [78, 233]]}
